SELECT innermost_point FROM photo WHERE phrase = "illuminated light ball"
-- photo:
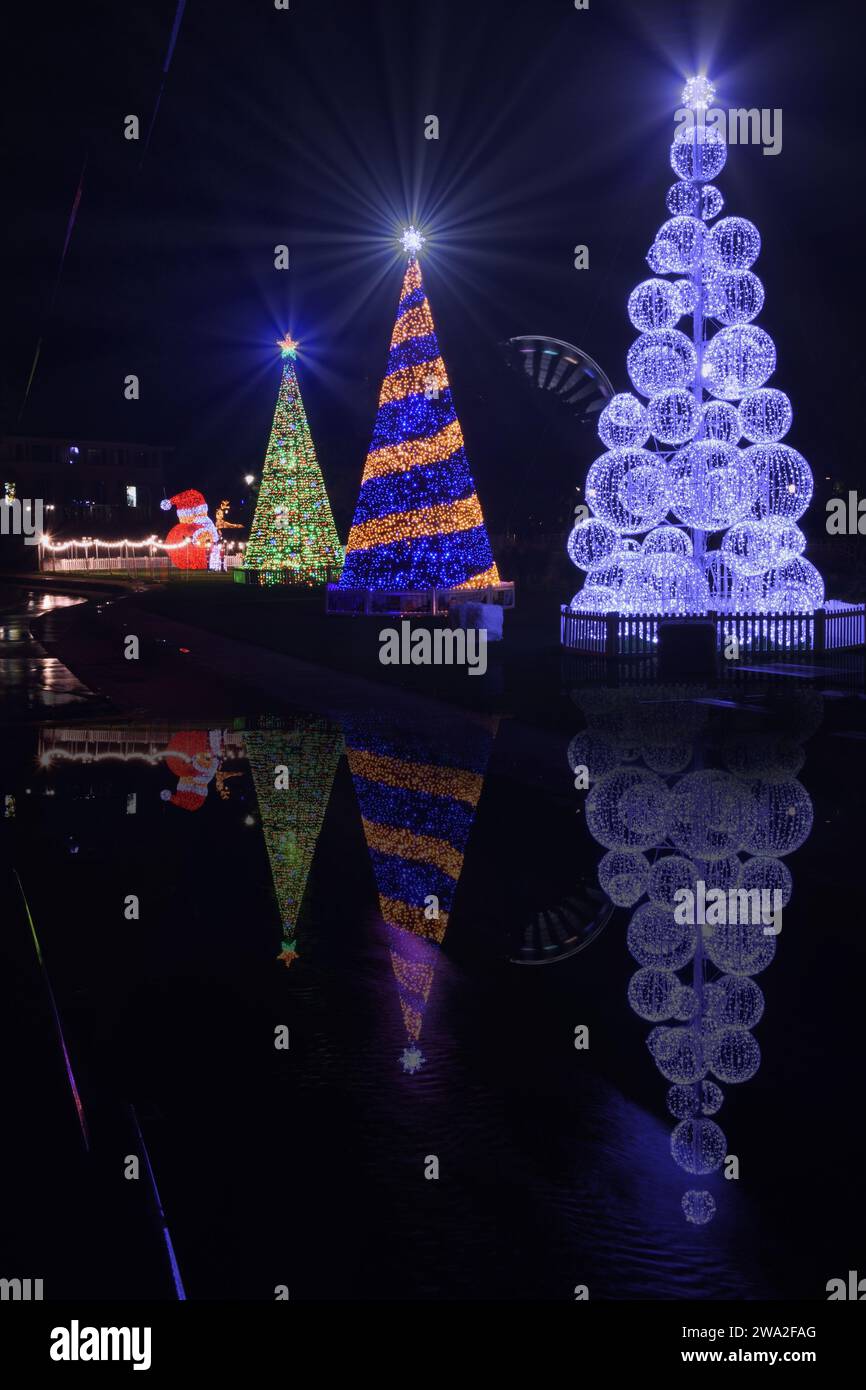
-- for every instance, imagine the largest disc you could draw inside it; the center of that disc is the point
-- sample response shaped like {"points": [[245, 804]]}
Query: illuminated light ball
{"points": [[598, 599], [772, 758], [592, 543], [738, 360], [683, 200], [711, 485], [734, 244], [783, 820], [739, 297], [679, 1055], [784, 480], [651, 993], [641, 486], [684, 1102], [699, 1207], [588, 750], [654, 261], [712, 814], [628, 809], [662, 360], [666, 584], [655, 1037], [624, 874], [611, 577], [687, 200], [674, 416], [765, 415], [753, 547], [680, 243], [733, 1055], [712, 1098], [698, 1145], [667, 540], [699, 154], [655, 939], [739, 948], [724, 872], [627, 489], [623, 424], [742, 1002], [765, 872], [667, 876], [668, 759], [687, 294], [654, 304], [793, 588], [721, 421], [791, 543], [699, 93], [686, 1004], [712, 202], [721, 580]]}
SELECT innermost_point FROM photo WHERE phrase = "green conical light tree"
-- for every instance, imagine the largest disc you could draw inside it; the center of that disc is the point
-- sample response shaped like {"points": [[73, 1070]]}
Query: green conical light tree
{"points": [[293, 772], [293, 537]]}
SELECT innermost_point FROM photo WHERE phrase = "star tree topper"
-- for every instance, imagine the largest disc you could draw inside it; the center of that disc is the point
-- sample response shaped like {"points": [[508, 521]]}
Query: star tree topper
{"points": [[412, 241]]}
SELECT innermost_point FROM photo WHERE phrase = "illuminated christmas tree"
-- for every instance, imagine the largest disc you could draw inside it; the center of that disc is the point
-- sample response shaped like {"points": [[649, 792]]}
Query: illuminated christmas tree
{"points": [[293, 772], [293, 535], [699, 470], [418, 793], [418, 522]]}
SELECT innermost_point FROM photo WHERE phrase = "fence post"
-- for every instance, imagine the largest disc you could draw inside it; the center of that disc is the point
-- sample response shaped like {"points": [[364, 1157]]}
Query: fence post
{"points": [[820, 629]]}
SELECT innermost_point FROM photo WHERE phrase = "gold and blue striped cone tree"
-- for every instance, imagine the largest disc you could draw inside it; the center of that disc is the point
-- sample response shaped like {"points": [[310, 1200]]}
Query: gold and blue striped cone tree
{"points": [[293, 533], [418, 522], [292, 814], [418, 792]]}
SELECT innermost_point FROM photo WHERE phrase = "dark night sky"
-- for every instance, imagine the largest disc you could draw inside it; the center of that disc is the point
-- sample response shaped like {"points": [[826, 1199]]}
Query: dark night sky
{"points": [[307, 128]]}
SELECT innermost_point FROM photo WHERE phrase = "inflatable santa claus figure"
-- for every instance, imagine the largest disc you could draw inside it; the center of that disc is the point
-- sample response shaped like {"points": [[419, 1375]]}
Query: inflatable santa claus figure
{"points": [[195, 535], [194, 756]]}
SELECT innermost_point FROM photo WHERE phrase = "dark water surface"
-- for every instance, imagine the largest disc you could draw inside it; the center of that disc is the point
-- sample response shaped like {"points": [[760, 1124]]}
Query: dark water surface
{"points": [[413, 1037]]}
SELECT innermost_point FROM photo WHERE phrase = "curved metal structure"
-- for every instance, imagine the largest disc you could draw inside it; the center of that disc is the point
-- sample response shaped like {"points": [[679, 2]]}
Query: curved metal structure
{"points": [[562, 371]]}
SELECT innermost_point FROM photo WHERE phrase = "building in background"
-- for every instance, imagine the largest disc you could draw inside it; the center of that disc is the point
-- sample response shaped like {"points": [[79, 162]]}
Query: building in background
{"points": [[102, 487]]}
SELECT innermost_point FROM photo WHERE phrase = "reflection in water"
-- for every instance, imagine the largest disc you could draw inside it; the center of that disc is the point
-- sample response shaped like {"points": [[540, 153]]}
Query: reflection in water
{"points": [[196, 758], [696, 828], [293, 771], [418, 790]]}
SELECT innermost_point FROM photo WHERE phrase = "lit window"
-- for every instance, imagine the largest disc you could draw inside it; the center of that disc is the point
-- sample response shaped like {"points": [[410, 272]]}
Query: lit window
{"points": [[131, 496]]}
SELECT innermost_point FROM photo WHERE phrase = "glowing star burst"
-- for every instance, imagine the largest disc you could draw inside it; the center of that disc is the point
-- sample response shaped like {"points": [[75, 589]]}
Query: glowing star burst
{"points": [[288, 346], [412, 241], [698, 93], [412, 1059]]}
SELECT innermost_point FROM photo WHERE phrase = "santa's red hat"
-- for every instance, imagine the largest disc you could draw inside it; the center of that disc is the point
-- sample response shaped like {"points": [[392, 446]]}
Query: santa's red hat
{"points": [[187, 800], [186, 501]]}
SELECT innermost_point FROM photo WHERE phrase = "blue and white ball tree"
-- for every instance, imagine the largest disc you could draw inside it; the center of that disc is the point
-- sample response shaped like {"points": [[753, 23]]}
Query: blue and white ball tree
{"points": [[695, 449]]}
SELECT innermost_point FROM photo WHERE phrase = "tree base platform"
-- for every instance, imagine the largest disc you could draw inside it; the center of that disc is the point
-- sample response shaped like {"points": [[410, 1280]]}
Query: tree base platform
{"points": [[410, 602], [837, 626]]}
